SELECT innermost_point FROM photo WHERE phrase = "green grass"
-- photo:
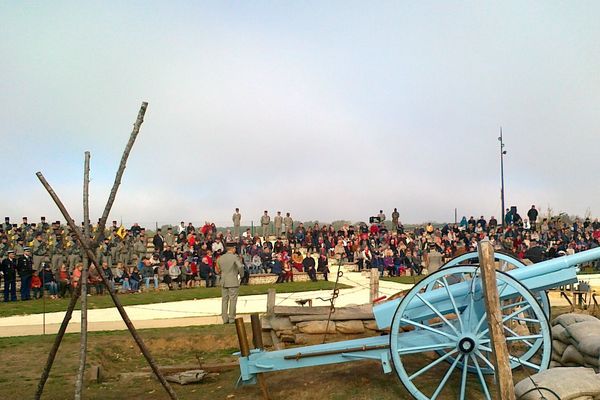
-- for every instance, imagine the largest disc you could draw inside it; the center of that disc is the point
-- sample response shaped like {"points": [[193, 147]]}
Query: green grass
{"points": [[408, 280], [96, 302]]}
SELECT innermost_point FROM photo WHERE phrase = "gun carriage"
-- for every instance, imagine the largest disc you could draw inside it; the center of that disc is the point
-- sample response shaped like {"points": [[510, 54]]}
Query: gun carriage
{"points": [[441, 325]]}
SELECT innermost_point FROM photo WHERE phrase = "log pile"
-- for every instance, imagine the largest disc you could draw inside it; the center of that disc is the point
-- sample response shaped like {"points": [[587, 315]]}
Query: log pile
{"points": [[576, 341], [309, 325]]}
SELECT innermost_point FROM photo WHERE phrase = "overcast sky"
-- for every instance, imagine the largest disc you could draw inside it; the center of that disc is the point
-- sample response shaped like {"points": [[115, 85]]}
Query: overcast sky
{"points": [[328, 110]]}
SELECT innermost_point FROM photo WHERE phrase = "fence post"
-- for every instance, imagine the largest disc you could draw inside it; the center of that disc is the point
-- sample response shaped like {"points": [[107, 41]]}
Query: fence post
{"points": [[374, 285], [505, 387]]}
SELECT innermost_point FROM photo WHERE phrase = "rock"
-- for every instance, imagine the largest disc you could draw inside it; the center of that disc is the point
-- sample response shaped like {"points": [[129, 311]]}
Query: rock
{"points": [[354, 326], [186, 377], [281, 324], [306, 339], [568, 383], [316, 327]]}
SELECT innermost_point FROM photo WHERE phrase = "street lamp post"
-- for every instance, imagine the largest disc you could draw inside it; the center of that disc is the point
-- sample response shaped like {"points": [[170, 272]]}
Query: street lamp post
{"points": [[502, 153]]}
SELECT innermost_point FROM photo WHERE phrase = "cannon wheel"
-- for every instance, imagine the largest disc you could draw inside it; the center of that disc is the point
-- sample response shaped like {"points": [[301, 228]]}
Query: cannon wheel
{"points": [[506, 260], [457, 325]]}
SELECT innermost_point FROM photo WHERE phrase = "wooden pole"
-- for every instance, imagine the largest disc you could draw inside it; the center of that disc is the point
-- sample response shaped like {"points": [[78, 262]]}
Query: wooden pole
{"points": [[374, 285], [120, 171], [84, 273], [271, 302], [258, 344], [56, 344], [500, 357], [92, 257]]}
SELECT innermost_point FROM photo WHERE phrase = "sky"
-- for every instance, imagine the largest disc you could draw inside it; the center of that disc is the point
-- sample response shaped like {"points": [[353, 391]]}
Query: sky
{"points": [[327, 110]]}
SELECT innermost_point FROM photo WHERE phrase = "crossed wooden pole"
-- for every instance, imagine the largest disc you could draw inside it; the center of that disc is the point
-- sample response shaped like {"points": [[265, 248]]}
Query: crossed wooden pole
{"points": [[88, 244]]}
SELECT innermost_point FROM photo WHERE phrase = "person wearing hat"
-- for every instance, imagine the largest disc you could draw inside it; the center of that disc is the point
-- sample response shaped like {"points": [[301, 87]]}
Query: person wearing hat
{"points": [[9, 272], [18, 247], [25, 270], [237, 219], [6, 226], [265, 221], [4, 247], [231, 268], [40, 251]]}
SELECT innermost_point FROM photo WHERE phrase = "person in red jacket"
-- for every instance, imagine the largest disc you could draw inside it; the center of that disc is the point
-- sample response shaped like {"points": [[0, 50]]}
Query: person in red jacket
{"points": [[36, 285]]}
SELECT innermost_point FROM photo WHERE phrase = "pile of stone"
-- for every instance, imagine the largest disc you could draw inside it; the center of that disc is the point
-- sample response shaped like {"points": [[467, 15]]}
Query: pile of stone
{"points": [[576, 341], [310, 325]]}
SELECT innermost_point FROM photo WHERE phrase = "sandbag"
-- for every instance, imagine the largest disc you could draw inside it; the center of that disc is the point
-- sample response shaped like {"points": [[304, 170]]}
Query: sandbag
{"points": [[555, 364], [580, 330], [558, 347], [354, 326], [593, 362], [572, 318], [556, 357], [568, 383], [316, 327], [572, 356], [590, 346], [560, 333]]}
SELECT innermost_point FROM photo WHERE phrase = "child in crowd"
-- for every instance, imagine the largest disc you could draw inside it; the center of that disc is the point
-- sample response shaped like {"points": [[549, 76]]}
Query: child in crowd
{"points": [[36, 285]]}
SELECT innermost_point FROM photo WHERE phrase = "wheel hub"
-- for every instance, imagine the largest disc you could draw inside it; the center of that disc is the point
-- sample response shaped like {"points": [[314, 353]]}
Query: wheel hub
{"points": [[466, 345]]}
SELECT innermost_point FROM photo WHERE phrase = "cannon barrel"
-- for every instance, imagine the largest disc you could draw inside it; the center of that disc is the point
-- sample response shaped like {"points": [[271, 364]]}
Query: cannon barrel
{"points": [[541, 276]]}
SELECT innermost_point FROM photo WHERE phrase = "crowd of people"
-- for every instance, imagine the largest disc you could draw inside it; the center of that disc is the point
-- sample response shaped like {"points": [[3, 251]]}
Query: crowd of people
{"points": [[46, 256]]}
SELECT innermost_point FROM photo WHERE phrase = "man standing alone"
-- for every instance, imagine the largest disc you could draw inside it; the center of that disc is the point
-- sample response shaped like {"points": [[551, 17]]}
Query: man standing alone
{"points": [[532, 214], [288, 222], [236, 218], [230, 268], [278, 223], [265, 221]]}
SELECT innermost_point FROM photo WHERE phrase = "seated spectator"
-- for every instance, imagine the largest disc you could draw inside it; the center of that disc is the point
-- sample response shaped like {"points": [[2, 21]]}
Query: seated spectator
{"points": [[134, 279], [207, 273], [95, 280], [174, 274], [123, 275], [75, 279], [108, 276], [49, 281], [277, 268], [188, 273], [323, 266], [64, 281], [148, 273], [297, 261], [308, 263]]}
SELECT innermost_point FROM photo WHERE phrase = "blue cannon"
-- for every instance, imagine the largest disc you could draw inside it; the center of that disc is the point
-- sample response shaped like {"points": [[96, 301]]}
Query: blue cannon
{"points": [[438, 342]]}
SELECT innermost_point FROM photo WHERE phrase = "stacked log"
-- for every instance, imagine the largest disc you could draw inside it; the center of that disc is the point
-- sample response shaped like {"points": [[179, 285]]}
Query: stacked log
{"points": [[310, 325], [576, 341]]}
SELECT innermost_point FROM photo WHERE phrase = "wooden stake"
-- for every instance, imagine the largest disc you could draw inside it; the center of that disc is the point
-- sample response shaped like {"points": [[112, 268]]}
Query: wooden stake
{"points": [[271, 302], [500, 358], [86, 229], [374, 285], [258, 344]]}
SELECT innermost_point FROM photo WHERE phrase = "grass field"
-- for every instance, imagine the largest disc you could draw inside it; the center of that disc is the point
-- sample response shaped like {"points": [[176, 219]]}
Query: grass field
{"points": [[23, 359], [95, 302]]}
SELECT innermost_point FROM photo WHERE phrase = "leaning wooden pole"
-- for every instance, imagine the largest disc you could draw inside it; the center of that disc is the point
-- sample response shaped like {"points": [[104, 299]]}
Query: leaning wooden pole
{"points": [[56, 344], [505, 385], [113, 192], [84, 273]]}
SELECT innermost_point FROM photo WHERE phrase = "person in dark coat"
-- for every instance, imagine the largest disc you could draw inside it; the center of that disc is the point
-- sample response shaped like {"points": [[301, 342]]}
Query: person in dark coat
{"points": [[25, 270], [9, 270], [308, 263]]}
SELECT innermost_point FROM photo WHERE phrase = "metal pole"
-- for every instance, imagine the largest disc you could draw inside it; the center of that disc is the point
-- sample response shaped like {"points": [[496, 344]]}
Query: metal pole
{"points": [[502, 153]]}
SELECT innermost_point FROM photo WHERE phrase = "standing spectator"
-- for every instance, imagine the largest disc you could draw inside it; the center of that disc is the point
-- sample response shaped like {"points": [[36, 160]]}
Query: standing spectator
{"points": [[169, 238], [237, 219], [9, 270], [532, 214], [159, 242], [278, 221], [230, 268], [36, 286], [25, 270], [288, 222], [40, 252], [395, 219], [381, 216], [265, 221], [181, 228]]}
